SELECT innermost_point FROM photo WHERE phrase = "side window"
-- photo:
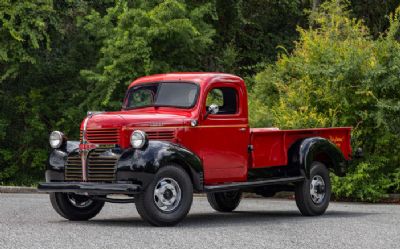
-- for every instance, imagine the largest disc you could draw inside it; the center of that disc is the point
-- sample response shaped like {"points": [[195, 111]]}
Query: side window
{"points": [[215, 96], [225, 98]]}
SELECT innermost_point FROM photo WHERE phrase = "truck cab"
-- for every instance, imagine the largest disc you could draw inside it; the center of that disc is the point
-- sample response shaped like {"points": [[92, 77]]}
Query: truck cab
{"points": [[181, 133]]}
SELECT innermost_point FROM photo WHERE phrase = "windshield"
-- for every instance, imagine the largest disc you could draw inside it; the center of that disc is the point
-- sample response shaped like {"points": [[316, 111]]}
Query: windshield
{"points": [[181, 95]]}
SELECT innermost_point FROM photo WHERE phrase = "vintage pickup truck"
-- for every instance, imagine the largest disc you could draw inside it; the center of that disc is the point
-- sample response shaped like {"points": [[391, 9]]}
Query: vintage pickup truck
{"points": [[181, 133]]}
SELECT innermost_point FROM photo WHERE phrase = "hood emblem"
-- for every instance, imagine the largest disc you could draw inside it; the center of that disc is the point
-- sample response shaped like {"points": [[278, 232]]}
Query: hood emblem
{"points": [[156, 124]]}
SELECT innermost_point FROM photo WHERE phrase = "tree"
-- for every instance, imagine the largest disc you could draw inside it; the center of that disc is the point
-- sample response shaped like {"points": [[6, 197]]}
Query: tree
{"points": [[24, 33], [249, 33], [138, 41], [41, 54]]}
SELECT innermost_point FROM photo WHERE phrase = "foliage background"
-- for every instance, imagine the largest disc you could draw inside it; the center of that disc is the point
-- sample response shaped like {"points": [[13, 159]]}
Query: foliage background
{"points": [[307, 63]]}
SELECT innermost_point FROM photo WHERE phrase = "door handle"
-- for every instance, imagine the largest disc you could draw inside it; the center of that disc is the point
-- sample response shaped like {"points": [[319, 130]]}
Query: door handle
{"points": [[242, 129]]}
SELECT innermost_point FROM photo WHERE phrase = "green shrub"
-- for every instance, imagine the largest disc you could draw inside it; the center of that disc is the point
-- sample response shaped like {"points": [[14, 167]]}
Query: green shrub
{"points": [[338, 75]]}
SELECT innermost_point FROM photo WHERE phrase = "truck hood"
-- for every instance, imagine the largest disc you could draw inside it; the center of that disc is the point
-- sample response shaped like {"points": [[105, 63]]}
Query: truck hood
{"points": [[127, 119]]}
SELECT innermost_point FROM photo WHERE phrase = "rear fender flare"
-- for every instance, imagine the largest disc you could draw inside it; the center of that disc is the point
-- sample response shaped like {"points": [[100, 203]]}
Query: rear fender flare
{"points": [[305, 151]]}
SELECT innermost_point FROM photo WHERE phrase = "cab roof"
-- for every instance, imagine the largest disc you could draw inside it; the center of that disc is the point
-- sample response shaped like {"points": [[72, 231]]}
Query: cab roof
{"points": [[201, 78]]}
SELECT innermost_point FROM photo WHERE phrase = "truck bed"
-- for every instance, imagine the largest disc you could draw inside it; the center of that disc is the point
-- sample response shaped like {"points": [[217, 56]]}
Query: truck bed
{"points": [[271, 145]]}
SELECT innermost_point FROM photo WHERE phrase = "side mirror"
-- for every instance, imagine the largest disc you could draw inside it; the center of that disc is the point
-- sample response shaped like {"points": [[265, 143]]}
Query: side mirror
{"points": [[212, 109], [359, 153]]}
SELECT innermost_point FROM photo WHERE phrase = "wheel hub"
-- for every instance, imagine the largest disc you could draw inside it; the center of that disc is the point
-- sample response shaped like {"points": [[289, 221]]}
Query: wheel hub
{"points": [[317, 189], [79, 201], [167, 194]]}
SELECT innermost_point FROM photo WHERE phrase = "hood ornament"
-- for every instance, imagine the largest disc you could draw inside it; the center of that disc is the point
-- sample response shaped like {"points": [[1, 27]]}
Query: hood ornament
{"points": [[91, 113]]}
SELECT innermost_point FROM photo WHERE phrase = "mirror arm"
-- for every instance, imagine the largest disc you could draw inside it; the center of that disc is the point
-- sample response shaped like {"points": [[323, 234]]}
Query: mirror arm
{"points": [[206, 115]]}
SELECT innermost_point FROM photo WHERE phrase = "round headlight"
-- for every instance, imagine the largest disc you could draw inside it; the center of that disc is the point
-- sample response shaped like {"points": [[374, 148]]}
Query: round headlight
{"points": [[138, 139], [56, 139]]}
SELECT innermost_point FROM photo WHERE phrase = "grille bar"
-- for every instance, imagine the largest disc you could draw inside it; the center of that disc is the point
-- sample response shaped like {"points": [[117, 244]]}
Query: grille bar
{"points": [[73, 168], [102, 136], [161, 135], [100, 166]]}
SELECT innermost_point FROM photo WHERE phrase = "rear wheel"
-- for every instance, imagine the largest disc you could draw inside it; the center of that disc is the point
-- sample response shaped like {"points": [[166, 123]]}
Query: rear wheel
{"points": [[75, 207], [313, 194], [168, 198], [224, 201]]}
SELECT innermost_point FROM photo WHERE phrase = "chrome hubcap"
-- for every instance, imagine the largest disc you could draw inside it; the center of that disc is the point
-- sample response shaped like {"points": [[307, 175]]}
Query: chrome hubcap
{"points": [[79, 201], [167, 194], [317, 189]]}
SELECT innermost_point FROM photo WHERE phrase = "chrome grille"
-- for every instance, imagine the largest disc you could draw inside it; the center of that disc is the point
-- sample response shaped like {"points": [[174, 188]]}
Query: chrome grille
{"points": [[161, 135], [101, 165], [73, 168], [102, 136]]}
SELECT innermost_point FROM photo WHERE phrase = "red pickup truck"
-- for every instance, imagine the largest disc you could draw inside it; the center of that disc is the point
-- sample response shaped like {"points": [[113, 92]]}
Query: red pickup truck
{"points": [[181, 133]]}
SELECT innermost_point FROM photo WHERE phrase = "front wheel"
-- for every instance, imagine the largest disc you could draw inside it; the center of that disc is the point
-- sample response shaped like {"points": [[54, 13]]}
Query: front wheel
{"points": [[75, 207], [224, 201], [313, 194], [168, 198]]}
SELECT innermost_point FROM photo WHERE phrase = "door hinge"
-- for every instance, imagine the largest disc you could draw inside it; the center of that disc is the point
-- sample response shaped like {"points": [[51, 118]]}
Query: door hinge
{"points": [[250, 148]]}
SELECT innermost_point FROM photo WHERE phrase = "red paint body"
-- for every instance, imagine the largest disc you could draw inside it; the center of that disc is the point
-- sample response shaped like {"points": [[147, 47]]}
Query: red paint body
{"points": [[221, 141]]}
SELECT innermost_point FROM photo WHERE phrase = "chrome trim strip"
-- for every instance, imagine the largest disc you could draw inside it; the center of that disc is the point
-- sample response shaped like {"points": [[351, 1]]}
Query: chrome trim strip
{"points": [[84, 141], [85, 152], [84, 155]]}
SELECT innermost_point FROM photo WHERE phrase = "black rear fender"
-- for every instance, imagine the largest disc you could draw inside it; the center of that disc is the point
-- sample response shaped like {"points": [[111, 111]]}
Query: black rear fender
{"points": [[305, 151]]}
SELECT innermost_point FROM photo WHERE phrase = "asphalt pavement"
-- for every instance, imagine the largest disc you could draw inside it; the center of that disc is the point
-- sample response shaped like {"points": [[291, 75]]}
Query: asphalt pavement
{"points": [[28, 221]]}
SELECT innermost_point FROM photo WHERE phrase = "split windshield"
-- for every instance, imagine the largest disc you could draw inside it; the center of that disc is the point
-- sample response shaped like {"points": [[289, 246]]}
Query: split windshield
{"points": [[169, 94]]}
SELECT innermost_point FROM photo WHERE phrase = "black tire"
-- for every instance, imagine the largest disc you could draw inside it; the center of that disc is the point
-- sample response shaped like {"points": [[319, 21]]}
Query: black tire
{"points": [[146, 202], [311, 205], [224, 201], [61, 202]]}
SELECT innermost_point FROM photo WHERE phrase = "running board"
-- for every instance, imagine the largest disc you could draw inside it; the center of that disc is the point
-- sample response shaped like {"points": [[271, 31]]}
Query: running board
{"points": [[241, 185], [114, 200]]}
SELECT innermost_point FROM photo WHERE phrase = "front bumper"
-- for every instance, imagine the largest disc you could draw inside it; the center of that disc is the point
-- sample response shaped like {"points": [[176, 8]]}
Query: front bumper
{"points": [[90, 188]]}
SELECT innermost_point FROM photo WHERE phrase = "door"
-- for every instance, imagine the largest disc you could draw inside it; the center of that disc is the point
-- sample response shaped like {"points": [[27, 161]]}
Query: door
{"points": [[225, 135]]}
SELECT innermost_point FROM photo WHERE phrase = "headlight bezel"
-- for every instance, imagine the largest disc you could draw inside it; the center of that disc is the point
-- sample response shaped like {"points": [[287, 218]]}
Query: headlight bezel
{"points": [[138, 135], [57, 136]]}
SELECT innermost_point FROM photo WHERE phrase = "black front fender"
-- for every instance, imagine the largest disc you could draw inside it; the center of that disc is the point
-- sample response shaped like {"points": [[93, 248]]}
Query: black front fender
{"points": [[304, 152], [140, 165], [57, 159]]}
